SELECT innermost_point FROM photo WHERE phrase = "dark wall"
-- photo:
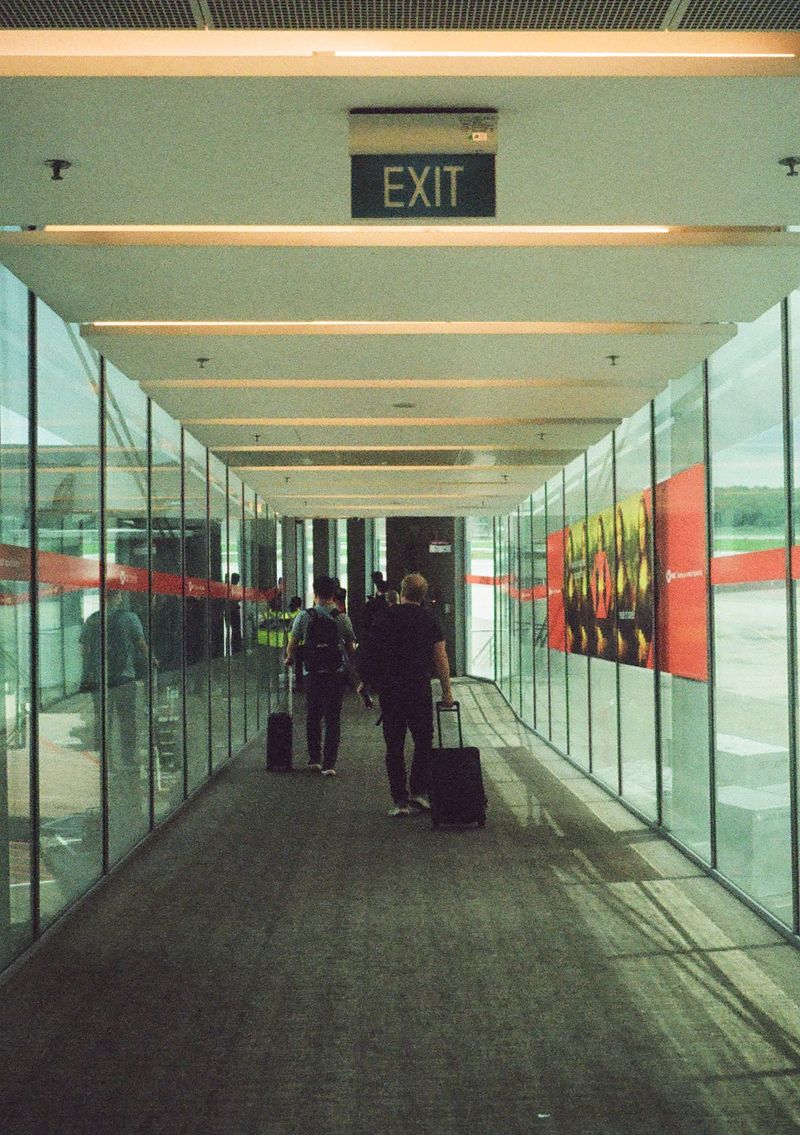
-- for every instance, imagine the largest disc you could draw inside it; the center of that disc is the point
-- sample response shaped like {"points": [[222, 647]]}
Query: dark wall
{"points": [[408, 548]]}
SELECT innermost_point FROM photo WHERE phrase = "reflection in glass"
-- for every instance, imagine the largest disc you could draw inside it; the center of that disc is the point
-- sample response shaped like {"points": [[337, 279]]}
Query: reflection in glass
{"points": [[217, 610], [166, 613], [480, 596], [602, 625], [682, 617], [541, 668], [196, 640], [750, 632], [526, 610], [15, 623], [557, 640], [68, 539], [634, 605], [127, 717], [575, 590], [234, 615]]}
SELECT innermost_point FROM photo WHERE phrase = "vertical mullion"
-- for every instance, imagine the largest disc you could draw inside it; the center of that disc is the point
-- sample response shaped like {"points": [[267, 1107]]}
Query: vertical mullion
{"points": [[547, 615], [712, 725], [103, 684], [184, 667], [615, 632], [563, 526], [208, 608], [586, 580], [152, 681], [33, 566], [654, 628], [494, 598], [791, 608]]}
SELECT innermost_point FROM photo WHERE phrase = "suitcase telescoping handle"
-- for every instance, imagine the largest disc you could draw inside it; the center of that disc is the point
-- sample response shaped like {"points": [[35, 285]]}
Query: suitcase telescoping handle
{"points": [[454, 708]]}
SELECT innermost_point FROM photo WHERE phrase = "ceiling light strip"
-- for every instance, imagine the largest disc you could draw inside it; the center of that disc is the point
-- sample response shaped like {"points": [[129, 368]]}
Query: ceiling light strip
{"points": [[380, 327], [367, 53]]}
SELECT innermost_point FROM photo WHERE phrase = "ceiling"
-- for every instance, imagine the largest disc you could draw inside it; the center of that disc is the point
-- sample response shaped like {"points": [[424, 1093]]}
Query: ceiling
{"points": [[362, 368]]}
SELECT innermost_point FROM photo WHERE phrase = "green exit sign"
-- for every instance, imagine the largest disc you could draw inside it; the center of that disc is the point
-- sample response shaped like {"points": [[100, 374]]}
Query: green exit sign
{"points": [[422, 185]]}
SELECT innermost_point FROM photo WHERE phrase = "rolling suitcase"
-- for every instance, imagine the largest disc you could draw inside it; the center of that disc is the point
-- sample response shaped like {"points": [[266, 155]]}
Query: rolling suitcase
{"points": [[456, 789], [279, 736]]}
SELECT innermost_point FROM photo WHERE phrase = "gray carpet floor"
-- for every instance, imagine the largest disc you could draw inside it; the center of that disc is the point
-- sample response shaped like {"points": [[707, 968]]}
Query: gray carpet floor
{"points": [[284, 958]]}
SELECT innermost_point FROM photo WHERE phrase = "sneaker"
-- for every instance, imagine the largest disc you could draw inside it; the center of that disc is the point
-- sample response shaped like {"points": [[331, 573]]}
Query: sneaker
{"points": [[400, 810], [329, 772], [420, 803], [314, 766]]}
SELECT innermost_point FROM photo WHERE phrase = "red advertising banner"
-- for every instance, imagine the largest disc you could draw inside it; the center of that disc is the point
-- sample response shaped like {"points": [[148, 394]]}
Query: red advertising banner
{"points": [[681, 557], [556, 627]]}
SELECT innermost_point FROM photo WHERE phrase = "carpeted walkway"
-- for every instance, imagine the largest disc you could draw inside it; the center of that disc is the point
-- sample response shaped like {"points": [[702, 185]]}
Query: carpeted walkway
{"points": [[285, 959]]}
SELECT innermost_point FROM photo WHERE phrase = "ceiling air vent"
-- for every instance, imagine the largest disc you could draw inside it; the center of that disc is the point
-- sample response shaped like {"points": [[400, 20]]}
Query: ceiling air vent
{"points": [[461, 15], [741, 15], [96, 14]]}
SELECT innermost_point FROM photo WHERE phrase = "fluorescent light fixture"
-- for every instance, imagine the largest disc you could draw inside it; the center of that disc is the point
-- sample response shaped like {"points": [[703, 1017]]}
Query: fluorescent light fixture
{"points": [[379, 327], [369, 231], [372, 54]]}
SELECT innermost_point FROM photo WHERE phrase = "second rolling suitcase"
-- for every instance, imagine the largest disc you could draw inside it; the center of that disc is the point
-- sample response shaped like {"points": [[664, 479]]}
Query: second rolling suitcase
{"points": [[279, 737], [456, 790]]}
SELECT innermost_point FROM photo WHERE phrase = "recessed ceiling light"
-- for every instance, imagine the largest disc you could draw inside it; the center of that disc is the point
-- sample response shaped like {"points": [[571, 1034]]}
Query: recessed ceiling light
{"points": [[404, 405]]}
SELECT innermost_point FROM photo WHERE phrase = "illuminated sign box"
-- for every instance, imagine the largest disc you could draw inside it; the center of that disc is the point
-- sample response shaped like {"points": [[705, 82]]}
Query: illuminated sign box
{"points": [[422, 164]]}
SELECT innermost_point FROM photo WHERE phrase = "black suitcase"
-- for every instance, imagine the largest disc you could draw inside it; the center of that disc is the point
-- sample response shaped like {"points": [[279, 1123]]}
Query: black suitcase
{"points": [[456, 790], [279, 737]]}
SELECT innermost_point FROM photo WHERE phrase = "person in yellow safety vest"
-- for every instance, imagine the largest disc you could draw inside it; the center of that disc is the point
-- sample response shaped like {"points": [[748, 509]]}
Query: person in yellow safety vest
{"points": [[274, 629]]}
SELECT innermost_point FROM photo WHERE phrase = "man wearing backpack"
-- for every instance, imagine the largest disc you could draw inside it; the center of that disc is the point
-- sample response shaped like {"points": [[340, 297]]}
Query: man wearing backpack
{"points": [[328, 648]]}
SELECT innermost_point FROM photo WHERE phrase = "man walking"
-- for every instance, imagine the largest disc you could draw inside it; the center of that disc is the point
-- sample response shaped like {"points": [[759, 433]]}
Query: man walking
{"points": [[328, 645], [412, 650]]}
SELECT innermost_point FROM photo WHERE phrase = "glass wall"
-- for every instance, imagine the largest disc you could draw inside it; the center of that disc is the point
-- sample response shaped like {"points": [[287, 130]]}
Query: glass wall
{"points": [[16, 835], [480, 596], [682, 611], [68, 537], [634, 604], [126, 614], [104, 615], [575, 600], [663, 580], [166, 612], [218, 592], [601, 625], [541, 654], [234, 614], [749, 585], [526, 582], [197, 639], [556, 623]]}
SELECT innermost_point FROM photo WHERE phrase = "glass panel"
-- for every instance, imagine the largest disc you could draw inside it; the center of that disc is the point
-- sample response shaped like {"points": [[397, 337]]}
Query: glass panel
{"points": [[556, 624], [233, 614], [794, 379], [341, 552], [68, 539], [310, 569], [501, 529], [541, 667], [166, 609], [682, 620], [633, 599], [526, 611], [127, 615], [576, 607], [750, 631], [601, 629], [15, 623], [380, 545], [513, 610], [480, 596], [267, 532], [195, 554], [217, 608], [250, 611]]}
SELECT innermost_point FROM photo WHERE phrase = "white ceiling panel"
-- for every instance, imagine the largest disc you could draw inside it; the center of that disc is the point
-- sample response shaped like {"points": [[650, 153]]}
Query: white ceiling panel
{"points": [[650, 284]]}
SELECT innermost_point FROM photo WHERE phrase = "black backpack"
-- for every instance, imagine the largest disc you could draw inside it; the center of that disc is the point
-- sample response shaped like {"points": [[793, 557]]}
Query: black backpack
{"points": [[321, 650]]}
